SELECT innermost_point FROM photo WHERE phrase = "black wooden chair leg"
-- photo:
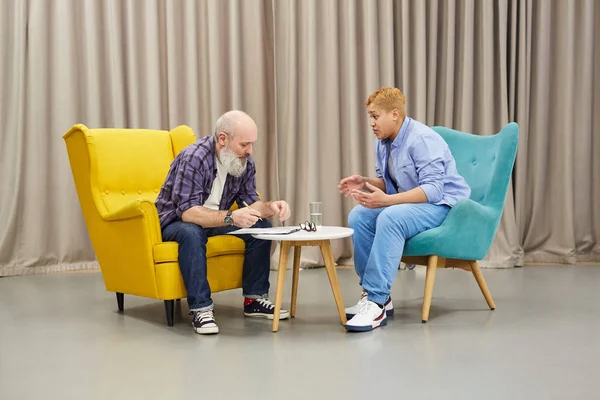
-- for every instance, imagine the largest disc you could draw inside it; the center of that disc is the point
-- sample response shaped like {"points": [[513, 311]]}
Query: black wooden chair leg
{"points": [[170, 309], [120, 300]]}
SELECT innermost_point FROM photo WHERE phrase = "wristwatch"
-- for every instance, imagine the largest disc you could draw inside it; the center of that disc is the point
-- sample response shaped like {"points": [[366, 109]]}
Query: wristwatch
{"points": [[228, 219]]}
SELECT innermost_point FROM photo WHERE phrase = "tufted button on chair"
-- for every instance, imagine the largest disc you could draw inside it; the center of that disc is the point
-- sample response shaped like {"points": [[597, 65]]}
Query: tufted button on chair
{"points": [[117, 173], [465, 236]]}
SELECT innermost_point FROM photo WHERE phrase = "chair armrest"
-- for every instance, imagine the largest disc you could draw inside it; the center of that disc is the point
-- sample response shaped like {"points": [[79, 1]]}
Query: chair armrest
{"points": [[472, 228], [142, 215], [124, 241], [134, 209], [466, 233], [469, 214]]}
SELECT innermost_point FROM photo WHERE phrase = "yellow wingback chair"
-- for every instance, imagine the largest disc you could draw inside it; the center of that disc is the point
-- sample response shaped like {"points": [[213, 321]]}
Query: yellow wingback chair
{"points": [[118, 174]]}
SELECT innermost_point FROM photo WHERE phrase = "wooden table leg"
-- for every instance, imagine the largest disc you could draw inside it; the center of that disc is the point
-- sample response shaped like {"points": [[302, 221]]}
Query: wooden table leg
{"points": [[333, 278], [296, 272], [283, 259]]}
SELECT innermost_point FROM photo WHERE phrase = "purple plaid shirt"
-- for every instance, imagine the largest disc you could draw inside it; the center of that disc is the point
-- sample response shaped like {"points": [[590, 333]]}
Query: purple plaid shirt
{"points": [[190, 179]]}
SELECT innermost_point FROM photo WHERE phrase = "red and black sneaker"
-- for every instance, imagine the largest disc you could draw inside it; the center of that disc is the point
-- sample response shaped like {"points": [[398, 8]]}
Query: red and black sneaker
{"points": [[262, 308]]}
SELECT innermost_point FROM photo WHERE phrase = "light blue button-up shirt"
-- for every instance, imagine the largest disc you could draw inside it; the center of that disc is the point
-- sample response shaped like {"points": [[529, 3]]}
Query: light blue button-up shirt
{"points": [[420, 158]]}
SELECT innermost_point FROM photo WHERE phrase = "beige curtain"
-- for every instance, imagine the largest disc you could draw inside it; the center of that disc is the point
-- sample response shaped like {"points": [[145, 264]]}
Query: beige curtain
{"points": [[112, 63], [328, 56], [452, 60], [302, 69], [558, 108]]}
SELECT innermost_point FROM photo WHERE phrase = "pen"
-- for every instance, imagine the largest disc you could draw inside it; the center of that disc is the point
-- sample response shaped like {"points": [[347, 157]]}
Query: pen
{"points": [[246, 204]]}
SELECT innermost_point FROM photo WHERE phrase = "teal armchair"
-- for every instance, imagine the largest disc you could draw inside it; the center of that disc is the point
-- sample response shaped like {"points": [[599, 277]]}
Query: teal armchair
{"points": [[466, 235]]}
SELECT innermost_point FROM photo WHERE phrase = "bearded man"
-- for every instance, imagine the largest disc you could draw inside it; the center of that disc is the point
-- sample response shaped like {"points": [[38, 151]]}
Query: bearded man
{"points": [[193, 204]]}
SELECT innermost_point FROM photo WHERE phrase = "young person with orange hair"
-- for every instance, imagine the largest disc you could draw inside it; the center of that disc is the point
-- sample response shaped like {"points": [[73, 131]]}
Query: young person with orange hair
{"points": [[416, 183]]}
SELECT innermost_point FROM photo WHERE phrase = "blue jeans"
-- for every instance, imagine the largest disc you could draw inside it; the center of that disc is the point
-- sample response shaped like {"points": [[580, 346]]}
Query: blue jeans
{"points": [[379, 237], [192, 239]]}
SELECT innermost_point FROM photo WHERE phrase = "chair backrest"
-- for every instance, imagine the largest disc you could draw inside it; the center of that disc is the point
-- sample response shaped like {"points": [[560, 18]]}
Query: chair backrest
{"points": [[112, 167], [486, 162], [129, 164]]}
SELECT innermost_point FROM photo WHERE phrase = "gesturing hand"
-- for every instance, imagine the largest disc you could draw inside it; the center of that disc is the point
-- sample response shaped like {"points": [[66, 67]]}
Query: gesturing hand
{"points": [[245, 217], [350, 184], [377, 198], [281, 209]]}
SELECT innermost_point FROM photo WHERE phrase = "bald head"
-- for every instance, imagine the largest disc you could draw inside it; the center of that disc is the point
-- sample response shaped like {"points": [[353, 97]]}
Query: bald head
{"points": [[234, 121], [235, 135]]}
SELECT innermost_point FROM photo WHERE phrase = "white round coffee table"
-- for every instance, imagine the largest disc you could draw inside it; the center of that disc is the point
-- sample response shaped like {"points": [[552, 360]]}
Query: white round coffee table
{"points": [[320, 238]]}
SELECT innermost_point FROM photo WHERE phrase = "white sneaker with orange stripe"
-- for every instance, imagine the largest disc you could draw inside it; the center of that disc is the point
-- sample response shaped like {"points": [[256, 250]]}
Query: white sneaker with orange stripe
{"points": [[369, 317]]}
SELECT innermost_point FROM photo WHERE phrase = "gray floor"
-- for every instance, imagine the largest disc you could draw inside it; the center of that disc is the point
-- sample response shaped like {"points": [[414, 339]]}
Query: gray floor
{"points": [[61, 338]]}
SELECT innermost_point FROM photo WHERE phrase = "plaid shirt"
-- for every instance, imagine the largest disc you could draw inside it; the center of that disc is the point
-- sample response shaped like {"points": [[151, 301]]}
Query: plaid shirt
{"points": [[190, 179]]}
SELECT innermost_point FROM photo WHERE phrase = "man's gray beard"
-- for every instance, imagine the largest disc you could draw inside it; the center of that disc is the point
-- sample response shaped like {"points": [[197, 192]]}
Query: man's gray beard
{"points": [[231, 162]]}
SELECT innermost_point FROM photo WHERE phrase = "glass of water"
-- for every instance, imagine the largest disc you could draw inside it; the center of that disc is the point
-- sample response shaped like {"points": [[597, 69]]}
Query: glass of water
{"points": [[316, 213]]}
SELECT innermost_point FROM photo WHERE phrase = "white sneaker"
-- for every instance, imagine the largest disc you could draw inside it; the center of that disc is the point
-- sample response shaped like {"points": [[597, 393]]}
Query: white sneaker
{"points": [[369, 317], [204, 322], [352, 311]]}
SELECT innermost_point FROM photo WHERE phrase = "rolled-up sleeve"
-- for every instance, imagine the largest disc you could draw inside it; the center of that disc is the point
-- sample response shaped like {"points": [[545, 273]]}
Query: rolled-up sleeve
{"points": [[378, 165], [247, 192], [428, 156], [378, 173], [188, 188]]}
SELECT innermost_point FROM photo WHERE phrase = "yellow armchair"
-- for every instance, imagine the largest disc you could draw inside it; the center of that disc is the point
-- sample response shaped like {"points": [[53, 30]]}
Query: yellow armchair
{"points": [[118, 174]]}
